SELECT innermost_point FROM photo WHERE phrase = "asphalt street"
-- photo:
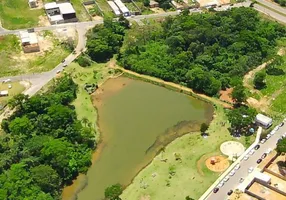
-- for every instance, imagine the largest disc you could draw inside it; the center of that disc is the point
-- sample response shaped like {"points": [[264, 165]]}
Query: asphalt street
{"points": [[273, 6], [271, 13], [242, 172]]}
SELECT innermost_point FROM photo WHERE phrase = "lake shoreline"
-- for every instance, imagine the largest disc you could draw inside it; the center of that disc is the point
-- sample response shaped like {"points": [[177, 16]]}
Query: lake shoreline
{"points": [[102, 142]]}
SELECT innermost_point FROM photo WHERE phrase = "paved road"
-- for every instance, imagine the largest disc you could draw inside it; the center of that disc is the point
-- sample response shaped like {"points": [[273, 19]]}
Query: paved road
{"points": [[233, 182], [270, 13], [274, 6]]}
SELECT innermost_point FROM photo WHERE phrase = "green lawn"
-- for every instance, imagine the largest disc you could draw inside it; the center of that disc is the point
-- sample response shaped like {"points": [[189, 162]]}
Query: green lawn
{"points": [[16, 14], [191, 176], [105, 8], [17, 88], [14, 62]]}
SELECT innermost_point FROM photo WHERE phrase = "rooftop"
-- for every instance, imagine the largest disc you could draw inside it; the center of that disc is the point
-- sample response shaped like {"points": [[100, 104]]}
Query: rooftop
{"points": [[66, 8], [51, 5]]}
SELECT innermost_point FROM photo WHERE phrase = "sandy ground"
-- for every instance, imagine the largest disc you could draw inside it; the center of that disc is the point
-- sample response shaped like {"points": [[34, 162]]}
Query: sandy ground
{"points": [[65, 33], [225, 95], [265, 192], [221, 163]]}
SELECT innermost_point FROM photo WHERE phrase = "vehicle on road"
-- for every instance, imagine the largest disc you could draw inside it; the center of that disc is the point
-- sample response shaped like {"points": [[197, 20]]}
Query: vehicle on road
{"points": [[220, 184], [237, 167], [268, 151], [232, 172], [251, 152], [7, 80], [272, 132], [65, 65], [250, 169], [226, 179], [268, 136], [279, 140], [259, 161], [262, 141], [276, 128], [59, 71], [215, 190], [246, 157], [241, 180], [229, 192], [257, 147], [263, 155], [282, 124], [63, 61]]}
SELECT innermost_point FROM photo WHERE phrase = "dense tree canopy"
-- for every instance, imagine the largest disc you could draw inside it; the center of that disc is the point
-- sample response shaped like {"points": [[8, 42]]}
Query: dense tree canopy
{"points": [[281, 146], [206, 52], [113, 192], [281, 2], [45, 146], [259, 80], [105, 40]]}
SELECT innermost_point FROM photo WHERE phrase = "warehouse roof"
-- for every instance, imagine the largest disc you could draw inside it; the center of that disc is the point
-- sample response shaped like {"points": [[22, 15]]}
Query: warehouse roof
{"points": [[51, 5], [66, 8]]}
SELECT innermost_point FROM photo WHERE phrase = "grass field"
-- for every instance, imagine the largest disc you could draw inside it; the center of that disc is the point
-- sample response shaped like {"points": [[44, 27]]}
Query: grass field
{"points": [[17, 88], [105, 8], [14, 62], [191, 177], [16, 14], [81, 75]]}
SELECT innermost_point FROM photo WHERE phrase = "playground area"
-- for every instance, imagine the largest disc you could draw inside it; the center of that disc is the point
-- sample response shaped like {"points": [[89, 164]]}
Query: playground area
{"points": [[217, 163], [232, 149]]}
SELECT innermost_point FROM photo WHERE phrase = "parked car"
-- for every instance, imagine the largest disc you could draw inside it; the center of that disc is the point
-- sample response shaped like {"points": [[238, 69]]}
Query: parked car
{"points": [[63, 61], [257, 147], [268, 151], [65, 65], [259, 161], [246, 157], [59, 71], [276, 128], [268, 136], [9, 86], [251, 152], [232, 172], [282, 124], [216, 190], [229, 192], [241, 180], [263, 155], [226, 179], [220, 184], [279, 140], [237, 167], [272, 132], [250, 169], [263, 141]]}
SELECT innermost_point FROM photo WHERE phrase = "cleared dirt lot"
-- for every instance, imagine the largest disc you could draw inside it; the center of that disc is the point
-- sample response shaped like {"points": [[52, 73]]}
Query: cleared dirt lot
{"points": [[265, 192]]}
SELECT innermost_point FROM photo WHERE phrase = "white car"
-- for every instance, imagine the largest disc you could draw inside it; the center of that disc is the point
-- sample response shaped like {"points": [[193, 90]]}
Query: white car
{"points": [[272, 132], [251, 152], [226, 179], [268, 150], [263, 141], [250, 169], [246, 157], [237, 167], [268, 136], [9, 86], [220, 184], [232, 172], [59, 71], [276, 128]]}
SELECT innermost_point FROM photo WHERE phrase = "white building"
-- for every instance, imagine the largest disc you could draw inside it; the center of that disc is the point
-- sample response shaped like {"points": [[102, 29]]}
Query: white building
{"points": [[114, 8], [29, 42], [263, 120], [4, 93], [60, 12], [33, 3], [122, 8], [263, 177]]}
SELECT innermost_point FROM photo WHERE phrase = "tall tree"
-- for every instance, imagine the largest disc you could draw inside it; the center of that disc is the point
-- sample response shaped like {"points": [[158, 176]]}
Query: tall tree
{"points": [[238, 94], [113, 192], [259, 80]]}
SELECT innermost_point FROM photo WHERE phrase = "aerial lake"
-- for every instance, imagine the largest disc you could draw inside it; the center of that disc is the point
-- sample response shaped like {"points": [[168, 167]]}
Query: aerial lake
{"points": [[136, 120]]}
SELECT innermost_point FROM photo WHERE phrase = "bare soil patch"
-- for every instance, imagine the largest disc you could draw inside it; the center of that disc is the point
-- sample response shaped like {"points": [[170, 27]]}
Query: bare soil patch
{"points": [[225, 95], [43, 21], [157, 10], [217, 163]]}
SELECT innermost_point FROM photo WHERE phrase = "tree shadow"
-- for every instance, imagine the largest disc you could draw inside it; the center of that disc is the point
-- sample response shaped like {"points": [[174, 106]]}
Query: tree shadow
{"points": [[282, 167]]}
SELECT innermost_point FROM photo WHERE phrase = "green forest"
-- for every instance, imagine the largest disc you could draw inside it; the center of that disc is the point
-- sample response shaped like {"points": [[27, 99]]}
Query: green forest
{"points": [[281, 2], [44, 146], [206, 52]]}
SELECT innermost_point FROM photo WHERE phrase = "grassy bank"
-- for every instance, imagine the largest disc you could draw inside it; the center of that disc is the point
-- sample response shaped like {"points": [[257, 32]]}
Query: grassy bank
{"points": [[191, 177], [17, 88], [14, 62], [16, 14]]}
